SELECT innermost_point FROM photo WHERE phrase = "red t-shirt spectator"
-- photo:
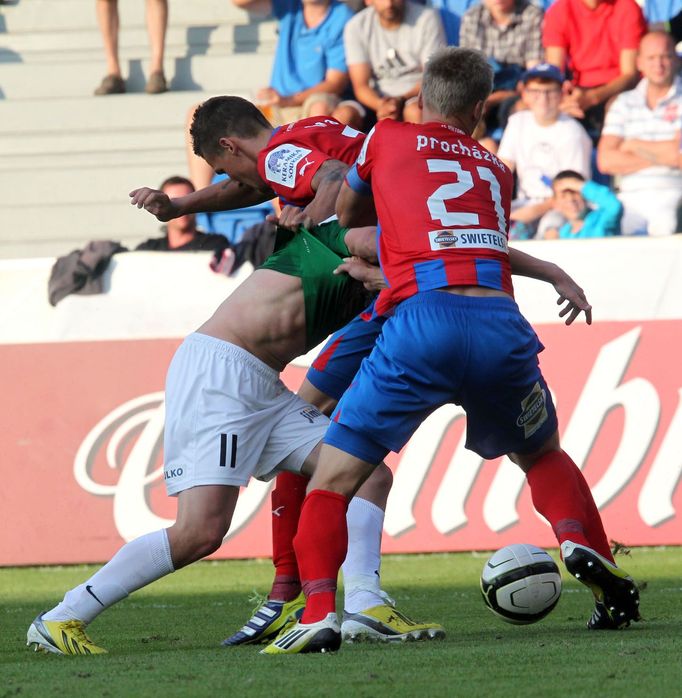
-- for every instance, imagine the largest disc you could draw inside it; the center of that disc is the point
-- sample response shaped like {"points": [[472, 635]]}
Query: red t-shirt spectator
{"points": [[594, 38]]}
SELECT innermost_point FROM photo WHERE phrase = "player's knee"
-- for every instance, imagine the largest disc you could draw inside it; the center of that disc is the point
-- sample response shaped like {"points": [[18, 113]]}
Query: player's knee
{"points": [[211, 537], [377, 486], [317, 398], [383, 478], [526, 461], [195, 540]]}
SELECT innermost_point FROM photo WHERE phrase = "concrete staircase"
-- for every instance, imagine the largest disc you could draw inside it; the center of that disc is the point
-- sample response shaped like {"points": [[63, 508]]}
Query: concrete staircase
{"points": [[68, 159]]}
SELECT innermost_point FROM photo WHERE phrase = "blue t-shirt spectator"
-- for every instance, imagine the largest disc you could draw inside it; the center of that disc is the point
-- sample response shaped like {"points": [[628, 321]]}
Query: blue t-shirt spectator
{"points": [[304, 55], [601, 221]]}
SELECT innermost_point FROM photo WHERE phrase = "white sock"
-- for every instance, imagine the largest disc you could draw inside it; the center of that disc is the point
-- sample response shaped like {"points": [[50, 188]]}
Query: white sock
{"points": [[361, 579], [135, 565]]}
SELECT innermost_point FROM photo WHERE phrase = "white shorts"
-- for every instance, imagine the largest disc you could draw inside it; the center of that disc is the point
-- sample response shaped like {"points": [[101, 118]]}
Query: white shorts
{"points": [[229, 418], [650, 211]]}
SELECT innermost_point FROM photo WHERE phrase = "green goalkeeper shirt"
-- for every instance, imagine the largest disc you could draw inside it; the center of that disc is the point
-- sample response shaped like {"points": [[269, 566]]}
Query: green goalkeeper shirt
{"points": [[331, 300]]}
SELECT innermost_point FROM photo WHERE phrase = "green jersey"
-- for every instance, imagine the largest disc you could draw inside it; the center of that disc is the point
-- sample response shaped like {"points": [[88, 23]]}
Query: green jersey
{"points": [[331, 300]]}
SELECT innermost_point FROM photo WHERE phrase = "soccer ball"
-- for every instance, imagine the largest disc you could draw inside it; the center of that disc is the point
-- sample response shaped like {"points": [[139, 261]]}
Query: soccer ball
{"points": [[521, 583]]}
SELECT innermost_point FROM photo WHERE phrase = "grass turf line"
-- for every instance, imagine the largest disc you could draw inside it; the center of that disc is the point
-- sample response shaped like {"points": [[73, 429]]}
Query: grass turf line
{"points": [[164, 640]]}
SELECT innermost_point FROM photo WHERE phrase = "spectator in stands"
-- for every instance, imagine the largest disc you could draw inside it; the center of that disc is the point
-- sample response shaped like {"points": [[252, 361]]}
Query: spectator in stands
{"points": [[590, 210], [597, 40], [157, 22], [387, 45], [451, 13], [539, 142], [641, 141], [509, 32], [309, 73], [181, 234]]}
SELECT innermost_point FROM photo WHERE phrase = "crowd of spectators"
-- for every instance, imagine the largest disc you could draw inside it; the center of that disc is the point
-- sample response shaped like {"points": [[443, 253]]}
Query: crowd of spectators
{"points": [[573, 78], [580, 86]]}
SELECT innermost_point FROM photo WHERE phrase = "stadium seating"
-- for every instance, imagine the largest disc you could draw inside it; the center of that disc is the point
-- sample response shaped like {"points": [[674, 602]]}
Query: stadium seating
{"points": [[69, 159]]}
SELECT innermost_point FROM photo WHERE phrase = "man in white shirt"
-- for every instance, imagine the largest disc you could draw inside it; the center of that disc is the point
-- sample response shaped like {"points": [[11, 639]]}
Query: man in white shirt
{"points": [[640, 141], [539, 142]]}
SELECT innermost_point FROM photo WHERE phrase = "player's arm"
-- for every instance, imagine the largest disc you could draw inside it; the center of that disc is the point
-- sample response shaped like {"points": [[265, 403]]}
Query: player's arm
{"points": [[355, 203], [570, 293], [370, 275], [362, 242], [221, 196], [355, 208], [325, 183]]}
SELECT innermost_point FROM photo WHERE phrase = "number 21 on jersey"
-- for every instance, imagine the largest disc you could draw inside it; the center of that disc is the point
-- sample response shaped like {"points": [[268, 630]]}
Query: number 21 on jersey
{"points": [[468, 231]]}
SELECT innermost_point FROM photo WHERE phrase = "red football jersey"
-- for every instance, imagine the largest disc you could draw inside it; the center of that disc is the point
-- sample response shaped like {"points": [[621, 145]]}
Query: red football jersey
{"points": [[296, 151], [443, 203]]}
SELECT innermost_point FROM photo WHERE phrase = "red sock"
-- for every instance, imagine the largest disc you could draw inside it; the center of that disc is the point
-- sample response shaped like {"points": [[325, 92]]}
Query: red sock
{"points": [[321, 544], [595, 528], [557, 495], [287, 499]]}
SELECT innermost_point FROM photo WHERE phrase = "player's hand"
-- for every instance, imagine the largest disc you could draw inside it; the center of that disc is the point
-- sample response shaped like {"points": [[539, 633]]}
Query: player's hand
{"points": [[292, 217], [573, 299], [156, 202], [370, 275]]}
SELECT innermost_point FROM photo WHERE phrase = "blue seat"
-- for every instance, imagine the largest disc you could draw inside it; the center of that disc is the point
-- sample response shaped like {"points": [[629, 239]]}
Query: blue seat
{"points": [[661, 10]]}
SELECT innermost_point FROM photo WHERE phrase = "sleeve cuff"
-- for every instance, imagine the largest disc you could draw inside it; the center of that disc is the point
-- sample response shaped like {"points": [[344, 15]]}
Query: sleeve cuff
{"points": [[356, 183]]}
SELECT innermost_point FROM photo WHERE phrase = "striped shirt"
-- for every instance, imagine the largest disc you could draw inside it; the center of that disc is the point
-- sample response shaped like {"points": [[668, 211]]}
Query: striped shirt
{"points": [[520, 42], [629, 117]]}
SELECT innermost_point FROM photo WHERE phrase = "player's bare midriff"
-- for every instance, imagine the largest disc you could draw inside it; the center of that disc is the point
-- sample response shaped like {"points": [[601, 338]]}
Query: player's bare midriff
{"points": [[482, 291], [265, 316]]}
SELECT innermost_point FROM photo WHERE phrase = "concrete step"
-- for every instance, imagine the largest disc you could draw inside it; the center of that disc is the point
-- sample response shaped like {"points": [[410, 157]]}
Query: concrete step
{"points": [[58, 15], [213, 73], [43, 145], [77, 186], [83, 116], [56, 229], [88, 159], [86, 44]]}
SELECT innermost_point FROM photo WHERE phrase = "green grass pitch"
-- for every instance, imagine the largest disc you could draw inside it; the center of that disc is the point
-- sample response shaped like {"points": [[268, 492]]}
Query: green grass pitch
{"points": [[164, 640]]}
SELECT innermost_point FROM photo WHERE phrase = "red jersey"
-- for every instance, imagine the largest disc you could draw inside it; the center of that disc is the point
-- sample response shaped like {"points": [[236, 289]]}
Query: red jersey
{"points": [[593, 38], [296, 151], [443, 203]]}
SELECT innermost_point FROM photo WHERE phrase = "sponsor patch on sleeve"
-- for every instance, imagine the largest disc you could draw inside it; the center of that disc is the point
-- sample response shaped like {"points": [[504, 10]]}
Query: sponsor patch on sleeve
{"points": [[282, 164]]}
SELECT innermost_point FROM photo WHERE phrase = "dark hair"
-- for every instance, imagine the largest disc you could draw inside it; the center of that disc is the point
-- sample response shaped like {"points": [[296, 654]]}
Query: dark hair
{"points": [[566, 174], [176, 179], [224, 116], [455, 80]]}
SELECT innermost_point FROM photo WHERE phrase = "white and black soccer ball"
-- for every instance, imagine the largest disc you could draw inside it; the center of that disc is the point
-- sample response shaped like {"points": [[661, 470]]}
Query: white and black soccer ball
{"points": [[521, 583]]}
